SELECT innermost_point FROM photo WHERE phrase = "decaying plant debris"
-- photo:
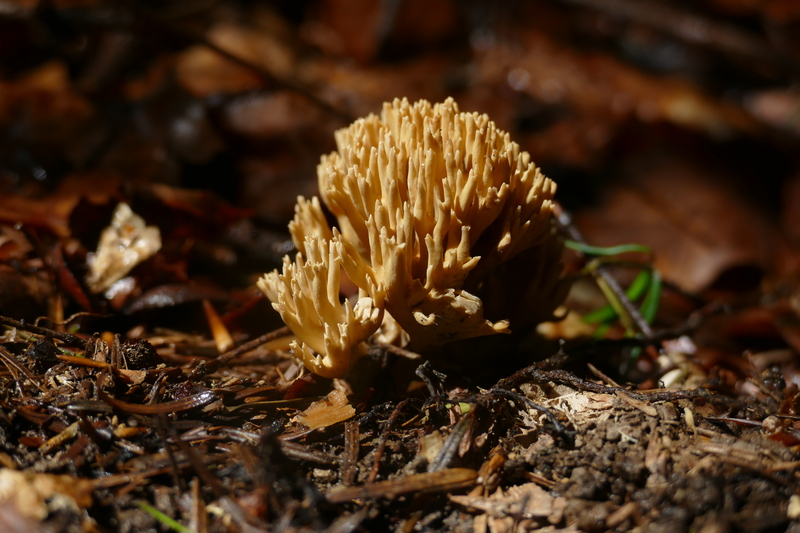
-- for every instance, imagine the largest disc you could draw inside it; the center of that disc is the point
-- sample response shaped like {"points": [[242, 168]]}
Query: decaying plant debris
{"points": [[151, 155], [541, 449]]}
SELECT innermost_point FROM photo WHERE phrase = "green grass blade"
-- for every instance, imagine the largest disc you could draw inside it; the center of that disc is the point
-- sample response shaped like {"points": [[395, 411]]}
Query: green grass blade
{"points": [[164, 519], [652, 298], [601, 330], [603, 315], [639, 285], [610, 250]]}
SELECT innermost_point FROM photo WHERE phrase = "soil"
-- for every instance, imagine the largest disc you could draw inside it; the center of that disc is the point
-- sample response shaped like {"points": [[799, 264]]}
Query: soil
{"points": [[217, 455]]}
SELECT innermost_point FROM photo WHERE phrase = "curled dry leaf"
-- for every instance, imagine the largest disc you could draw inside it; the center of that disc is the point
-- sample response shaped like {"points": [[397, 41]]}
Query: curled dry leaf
{"points": [[123, 245]]}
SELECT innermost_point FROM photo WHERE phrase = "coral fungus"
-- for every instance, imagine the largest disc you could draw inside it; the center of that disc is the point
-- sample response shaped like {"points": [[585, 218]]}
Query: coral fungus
{"points": [[428, 202]]}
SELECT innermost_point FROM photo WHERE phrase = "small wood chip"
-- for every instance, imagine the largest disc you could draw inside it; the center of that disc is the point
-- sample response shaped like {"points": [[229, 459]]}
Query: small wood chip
{"points": [[621, 514], [443, 480], [646, 408], [331, 409]]}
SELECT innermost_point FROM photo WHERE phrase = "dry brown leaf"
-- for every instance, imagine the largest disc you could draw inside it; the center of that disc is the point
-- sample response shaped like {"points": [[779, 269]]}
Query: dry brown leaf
{"points": [[696, 223], [204, 72], [271, 116], [43, 104], [361, 90], [135, 377], [522, 501], [571, 327], [597, 84], [350, 27], [13, 244], [777, 107], [586, 403], [53, 211]]}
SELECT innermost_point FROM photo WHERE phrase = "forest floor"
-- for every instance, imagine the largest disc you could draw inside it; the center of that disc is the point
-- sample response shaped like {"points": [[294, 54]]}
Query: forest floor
{"points": [[159, 394]]}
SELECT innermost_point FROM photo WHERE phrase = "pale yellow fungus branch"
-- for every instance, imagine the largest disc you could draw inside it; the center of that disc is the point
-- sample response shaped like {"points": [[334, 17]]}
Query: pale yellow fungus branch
{"points": [[308, 220], [415, 190], [306, 294]]}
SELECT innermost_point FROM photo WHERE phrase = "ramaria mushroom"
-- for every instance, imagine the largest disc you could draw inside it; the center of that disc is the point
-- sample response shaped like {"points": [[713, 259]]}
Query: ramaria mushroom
{"points": [[428, 202], [306, 295]]}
